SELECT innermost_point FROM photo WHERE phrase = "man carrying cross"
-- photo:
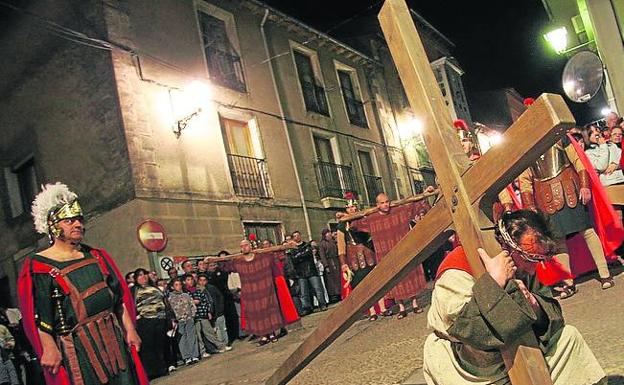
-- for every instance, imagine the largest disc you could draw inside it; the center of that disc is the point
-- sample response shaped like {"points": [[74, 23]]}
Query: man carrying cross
{"points": [[387, 226], [474, 318]]}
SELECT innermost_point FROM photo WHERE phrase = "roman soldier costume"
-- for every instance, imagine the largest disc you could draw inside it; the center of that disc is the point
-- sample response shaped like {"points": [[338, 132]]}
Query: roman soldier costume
{"points": [[79, 302], [355, 248]]}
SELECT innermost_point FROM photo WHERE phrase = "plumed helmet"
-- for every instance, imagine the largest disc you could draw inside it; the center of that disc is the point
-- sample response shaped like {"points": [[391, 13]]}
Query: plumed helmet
{"points": [[54, 203], [462, 129]]}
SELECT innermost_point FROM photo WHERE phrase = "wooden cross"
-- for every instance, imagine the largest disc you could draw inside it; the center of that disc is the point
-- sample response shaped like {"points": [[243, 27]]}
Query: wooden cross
{"points": [[467, 191]]}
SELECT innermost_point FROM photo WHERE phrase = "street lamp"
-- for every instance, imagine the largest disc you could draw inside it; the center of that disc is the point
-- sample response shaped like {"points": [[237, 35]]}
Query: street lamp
{"points": [[558, 39], [412, 128], [189, 103]]}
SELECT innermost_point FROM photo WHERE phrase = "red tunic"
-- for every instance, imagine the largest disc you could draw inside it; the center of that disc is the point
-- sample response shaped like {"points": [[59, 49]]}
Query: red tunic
{"points": [[387, 230], [262, 311]]}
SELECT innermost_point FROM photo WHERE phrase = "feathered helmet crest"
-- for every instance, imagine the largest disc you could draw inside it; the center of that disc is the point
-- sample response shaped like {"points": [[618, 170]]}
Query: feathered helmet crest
{"points": [[54, 203], [351, 198], [462, 129]]}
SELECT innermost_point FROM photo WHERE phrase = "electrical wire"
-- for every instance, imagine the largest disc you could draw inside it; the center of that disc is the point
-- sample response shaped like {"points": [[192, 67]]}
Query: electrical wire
{"points": [[83, 39]]}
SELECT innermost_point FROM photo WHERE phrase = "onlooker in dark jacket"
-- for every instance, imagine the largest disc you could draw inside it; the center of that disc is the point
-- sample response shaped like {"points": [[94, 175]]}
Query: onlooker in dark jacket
{"points": [[219, 279], [307, 274], [218, 319]]}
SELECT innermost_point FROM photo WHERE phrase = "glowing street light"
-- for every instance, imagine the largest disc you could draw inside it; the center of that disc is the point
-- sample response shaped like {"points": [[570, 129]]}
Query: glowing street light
{"points": [[410, 129], [189, 103], [558, 39]]}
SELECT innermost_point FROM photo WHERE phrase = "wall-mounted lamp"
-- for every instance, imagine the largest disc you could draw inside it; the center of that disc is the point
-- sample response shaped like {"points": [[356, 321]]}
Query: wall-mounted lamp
{"points": [[188, 103], [182, 123]]}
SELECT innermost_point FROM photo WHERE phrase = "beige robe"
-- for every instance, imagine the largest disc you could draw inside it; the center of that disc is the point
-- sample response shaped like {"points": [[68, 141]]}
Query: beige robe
{"points": [[570, 360]]}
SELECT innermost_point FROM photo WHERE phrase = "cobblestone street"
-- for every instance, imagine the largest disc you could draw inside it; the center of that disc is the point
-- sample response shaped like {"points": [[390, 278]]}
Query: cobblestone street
{"points": [[389, 351]]}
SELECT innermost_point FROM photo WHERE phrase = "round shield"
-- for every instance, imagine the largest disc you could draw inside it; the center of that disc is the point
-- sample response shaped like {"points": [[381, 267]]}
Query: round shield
{"points": [[582, 76]]}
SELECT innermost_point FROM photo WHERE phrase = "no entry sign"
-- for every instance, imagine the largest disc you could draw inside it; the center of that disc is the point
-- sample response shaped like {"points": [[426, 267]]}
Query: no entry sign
{"points": [[152, 235]]}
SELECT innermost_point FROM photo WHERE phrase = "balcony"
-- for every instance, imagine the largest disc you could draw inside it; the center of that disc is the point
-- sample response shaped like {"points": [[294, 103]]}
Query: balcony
{"points": [[355, 111], [374, 186], [250, 176], [334, 180], [225, 69], [314, 97]]}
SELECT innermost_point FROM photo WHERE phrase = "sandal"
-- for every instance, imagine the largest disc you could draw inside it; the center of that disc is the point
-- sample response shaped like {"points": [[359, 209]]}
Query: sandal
{"points": [[606, 283], [263, 341], [417, 310], [372, 318], [402, 314], [567, 291], [387, 313]]}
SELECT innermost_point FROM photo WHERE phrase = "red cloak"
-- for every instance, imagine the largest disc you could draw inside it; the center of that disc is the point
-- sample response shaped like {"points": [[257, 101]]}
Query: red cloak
{"points": [[606, 221], [27, 307], [548, 273]]}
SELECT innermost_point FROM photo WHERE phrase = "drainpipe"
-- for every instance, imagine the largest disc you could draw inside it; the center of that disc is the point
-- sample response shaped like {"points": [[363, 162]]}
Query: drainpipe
{"points": [[285, 125]]}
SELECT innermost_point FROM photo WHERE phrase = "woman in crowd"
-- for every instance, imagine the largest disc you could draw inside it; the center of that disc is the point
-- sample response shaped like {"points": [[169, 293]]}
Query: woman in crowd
{"points": [[604, 157], [154, 319]]}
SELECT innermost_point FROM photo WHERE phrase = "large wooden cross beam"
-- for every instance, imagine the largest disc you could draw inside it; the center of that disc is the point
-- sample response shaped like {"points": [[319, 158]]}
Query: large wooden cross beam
{"points": [[465, 190]]}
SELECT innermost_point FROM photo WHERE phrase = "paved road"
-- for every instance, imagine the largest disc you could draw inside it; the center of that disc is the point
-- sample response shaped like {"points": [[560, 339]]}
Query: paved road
{"points": [[389, 351]]}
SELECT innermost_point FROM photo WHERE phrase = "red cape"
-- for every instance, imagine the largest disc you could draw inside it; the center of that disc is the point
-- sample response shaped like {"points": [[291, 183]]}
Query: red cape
{"points": [[27, 307], [287, 306], [606, 221], [284, 299], [345, 287], [548, 273]]}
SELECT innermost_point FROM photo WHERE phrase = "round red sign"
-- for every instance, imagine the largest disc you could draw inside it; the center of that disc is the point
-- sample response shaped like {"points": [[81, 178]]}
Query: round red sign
{"points": [[152, 235]]}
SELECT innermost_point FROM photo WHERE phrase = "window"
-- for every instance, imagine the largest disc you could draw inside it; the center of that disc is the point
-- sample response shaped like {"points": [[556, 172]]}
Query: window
{"points": [[263, 231], [324, 150], [354, 106], [334, 180], [313, 93], [248, 168], [372, 182], [22, 186], [224, 63]]}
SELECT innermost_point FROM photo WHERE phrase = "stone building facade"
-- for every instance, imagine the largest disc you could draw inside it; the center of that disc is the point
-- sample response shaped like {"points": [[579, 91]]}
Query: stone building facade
{"points": [[216, 118]]}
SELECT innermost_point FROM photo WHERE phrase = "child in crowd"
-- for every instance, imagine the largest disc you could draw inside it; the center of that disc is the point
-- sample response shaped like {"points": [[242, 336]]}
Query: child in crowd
{"points": [[184, 309], [208, 341], [218, 317]]}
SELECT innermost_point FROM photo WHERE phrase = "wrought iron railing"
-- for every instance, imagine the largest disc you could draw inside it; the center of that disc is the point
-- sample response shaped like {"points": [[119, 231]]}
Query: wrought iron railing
{"points": [[355, 110], [314, 97], [374, 186], [250, 176], [334, 180], [225, 69]]}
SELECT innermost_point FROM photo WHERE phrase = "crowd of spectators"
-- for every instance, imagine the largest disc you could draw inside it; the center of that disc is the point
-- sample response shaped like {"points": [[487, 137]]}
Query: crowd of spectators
{"points": [[196, 311], [603, 146]]}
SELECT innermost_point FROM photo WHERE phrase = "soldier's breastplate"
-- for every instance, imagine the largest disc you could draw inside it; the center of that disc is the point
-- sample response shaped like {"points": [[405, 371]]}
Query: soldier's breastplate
{"points": [[550, 164]]}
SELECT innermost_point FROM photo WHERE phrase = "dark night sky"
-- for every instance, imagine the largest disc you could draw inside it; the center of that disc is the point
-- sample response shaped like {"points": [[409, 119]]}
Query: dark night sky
{"points": [[498, 43]]}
